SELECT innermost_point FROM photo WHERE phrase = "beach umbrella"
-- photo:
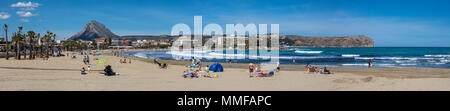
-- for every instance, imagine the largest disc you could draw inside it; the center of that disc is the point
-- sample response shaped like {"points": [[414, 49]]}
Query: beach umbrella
{"points": [[102, 61]]}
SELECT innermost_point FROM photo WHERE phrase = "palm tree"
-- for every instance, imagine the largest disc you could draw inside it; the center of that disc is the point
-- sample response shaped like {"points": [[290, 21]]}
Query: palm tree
{"points": [[31, 35], [37, 38], [7, 44], [53, 43], [18, 41], [48, 42]]}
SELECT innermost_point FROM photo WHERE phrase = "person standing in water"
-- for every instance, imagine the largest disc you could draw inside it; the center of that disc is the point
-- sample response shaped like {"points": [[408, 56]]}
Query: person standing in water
{"points": [[251, 68], [370, 63]]}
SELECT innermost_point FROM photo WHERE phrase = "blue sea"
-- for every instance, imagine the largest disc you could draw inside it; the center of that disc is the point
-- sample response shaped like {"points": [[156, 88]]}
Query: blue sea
{"points": [[381, 57]]}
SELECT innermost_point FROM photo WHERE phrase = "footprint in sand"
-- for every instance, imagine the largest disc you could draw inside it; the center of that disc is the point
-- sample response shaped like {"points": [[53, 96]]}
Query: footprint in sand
{"points": [[354, 80]]}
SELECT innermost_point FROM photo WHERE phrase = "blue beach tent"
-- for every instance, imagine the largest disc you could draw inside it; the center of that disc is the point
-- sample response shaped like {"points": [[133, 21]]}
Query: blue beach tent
{"points": [[216, 67]]}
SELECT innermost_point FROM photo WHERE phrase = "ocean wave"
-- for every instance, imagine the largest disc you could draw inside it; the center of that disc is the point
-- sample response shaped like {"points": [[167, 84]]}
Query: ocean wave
{"points": [[309, 52], [382, 65], [437, 55], [445, 61], [141, 55], [408, 64], [438, 63], [355, 64], [395, 58], [225, 54], [350, 55]]}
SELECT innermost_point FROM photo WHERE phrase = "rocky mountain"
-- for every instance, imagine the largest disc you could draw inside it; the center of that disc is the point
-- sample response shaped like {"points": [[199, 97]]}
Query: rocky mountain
{"points": [[345, 41], [93, 30]]}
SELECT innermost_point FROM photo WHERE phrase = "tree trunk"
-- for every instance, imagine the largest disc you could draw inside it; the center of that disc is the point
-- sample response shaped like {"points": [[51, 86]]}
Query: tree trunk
{"points": [[7, 44], [31, 50], [18, 51], [24, 51]]}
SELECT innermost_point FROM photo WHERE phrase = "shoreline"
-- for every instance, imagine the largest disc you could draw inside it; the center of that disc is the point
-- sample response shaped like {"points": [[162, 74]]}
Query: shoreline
{"points": [[397, 72]]}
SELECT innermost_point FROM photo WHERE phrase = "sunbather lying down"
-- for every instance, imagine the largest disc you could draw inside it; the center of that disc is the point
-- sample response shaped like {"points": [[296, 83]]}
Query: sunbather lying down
{"points": [[196, 74], [162, 66], [190, 74], [270, 74]]}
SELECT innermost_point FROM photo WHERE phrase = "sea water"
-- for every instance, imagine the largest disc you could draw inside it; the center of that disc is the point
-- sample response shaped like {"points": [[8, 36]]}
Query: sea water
{"points": [[428, 57]]}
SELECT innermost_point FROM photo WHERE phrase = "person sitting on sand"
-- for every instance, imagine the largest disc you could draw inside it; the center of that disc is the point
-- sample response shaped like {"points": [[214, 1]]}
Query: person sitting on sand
{"points": [[326, 71], [316, 71], [311, 70], [186, 74], [83, 71], [207, 68], [207, 71], [189, 73], [321, 71], [257, 69], [124, 60], [109, 72]]}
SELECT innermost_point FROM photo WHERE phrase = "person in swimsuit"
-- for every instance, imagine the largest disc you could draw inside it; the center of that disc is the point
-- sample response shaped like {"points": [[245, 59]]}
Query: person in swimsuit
{"points": [[251, 67]]}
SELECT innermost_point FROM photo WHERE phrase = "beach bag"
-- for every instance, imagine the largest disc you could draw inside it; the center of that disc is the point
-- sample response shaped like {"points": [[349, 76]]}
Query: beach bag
{"points": [[271, 73]]}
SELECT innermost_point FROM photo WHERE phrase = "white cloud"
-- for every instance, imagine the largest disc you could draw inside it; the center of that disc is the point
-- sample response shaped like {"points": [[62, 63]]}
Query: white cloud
{"points": [[28, 8], [25, 14], [24, 20], [4, 15], [27, 4]]}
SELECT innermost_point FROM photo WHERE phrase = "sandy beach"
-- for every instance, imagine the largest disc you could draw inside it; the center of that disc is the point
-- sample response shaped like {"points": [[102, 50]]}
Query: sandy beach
{"points": [[63, 74]]}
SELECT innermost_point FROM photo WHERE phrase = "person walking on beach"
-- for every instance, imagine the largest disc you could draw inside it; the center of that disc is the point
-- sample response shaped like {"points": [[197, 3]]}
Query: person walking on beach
{"points": [[251, 68], [278, 66], [229, 60], [84, 59], [89, 69], [293, 61], [369, 64], [87, 59]]}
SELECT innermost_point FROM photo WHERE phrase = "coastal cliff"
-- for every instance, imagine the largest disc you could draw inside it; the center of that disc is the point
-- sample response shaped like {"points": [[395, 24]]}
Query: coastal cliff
{"points": [[345, 41]]}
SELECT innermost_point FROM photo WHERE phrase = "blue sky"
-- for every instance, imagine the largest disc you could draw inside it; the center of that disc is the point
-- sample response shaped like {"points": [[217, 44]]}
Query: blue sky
{"points": [[389, 22]]}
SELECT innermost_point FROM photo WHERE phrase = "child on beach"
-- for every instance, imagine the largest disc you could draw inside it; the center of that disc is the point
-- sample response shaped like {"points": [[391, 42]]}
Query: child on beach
{"points": [[207, 68], [89, 68]]}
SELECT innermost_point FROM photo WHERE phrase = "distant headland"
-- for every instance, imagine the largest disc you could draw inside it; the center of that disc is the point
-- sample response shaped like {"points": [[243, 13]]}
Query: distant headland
{"points": [[95, 30]]}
